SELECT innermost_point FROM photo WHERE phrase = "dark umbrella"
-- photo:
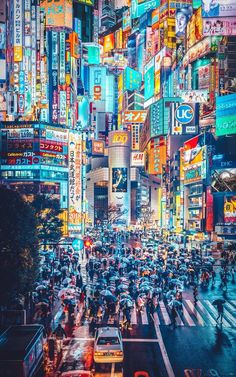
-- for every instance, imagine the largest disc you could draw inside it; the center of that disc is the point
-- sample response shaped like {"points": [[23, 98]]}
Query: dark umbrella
{"points": [[218, 302]]}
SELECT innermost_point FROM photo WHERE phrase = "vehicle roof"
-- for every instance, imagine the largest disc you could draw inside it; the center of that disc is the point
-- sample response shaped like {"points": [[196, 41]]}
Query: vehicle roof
{"points": [[17, 341], [108, 331], [76, 373]]}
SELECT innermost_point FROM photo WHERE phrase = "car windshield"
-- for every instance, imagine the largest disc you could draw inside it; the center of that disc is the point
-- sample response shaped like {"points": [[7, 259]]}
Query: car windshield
{"points": [[107, 341]]}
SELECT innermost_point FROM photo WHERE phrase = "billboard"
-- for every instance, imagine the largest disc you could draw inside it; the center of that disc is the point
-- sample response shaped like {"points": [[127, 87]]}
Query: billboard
{"points": [[218, 8], [2, 36], [226, 115], [137, 159], [149, 73], [75, 183], [230, 209], [97, 83], [108, 42], [18, 31], [59, 13], [219, 26], [97, 147], [126, 20], [138, 7], [132, 79], [119, 138], [119, 179], [224, 180], [135, 116], [194, 161], [86, 2], [93, 54], [131, 47], [199, 96], [158, 60], [181, 20]]}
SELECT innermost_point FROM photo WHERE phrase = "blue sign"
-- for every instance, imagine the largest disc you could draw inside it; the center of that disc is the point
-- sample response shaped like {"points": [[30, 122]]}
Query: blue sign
{"points": [[78, 244], [184, 114]]}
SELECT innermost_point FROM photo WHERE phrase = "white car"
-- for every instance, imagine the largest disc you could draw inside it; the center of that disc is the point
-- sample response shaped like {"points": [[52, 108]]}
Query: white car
{"points": [[108, 346], [77, 373]]}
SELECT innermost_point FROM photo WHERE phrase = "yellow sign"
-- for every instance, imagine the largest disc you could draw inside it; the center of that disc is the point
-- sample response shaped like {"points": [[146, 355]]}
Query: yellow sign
{"points": [[120, 138], [18, 53]]}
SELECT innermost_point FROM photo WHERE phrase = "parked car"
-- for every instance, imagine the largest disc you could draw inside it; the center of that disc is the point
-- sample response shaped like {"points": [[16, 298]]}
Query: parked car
{"points": [[108, 346]]}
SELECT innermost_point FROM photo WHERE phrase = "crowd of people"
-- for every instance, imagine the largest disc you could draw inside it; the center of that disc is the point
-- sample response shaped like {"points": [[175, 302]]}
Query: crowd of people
{"points": [[112, 277]]}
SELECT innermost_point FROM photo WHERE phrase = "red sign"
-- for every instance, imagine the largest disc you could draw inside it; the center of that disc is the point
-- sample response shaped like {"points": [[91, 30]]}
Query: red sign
{"points": [[51, 147]]}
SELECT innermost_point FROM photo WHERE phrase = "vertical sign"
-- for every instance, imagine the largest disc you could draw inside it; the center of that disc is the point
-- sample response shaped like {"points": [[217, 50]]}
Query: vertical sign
{"points": [[75, 199], [18, 33], [62, 70]]}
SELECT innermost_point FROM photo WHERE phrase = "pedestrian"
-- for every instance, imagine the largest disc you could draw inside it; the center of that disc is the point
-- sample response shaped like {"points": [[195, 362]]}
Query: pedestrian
{"points": [[195, 294], [213, 275], [173, 315], [220, 309]]}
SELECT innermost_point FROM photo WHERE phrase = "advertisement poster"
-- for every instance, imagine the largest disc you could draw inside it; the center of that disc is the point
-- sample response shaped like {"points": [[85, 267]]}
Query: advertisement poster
{"points": [[181, 20], [224, 180], [131, 47], [199, 96], [230, 209], [109, 42], [58, 12], [219, 26], [226, 115], [132, 79], [137, 159], [126, 20], [218, 8], [119, 179]]}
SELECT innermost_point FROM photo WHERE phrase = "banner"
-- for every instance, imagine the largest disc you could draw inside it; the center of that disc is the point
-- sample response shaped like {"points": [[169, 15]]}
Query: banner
{"points": [[218, 8], [137, 159], [199, 96], [230, 209], [219, 26], [135, 116], [59, 13], [17, 30], [149, 72]]}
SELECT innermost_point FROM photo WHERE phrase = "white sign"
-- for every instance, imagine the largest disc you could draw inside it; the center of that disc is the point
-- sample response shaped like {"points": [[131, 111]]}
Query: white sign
{"points": [[17, 28], [190, 96], [137, 159]]}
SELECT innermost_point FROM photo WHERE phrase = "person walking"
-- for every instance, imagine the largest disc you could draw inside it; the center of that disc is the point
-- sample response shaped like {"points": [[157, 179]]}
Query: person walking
{"points": [[60, 333], [173, 315], [195, 294], [220, 308]]}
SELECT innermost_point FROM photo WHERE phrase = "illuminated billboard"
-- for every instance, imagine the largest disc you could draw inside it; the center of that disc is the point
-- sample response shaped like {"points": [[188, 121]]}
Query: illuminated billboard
{"points": [[97, 83], [219, 26], [199, 96], [86, 2], [75, 182], [59, 13], [224, 180], [132, 79], [218, 8], [181, 20], [138, 7], [119, 138], [126, 20], [137, 159], [93, 54], [18, 30], [119, 179], [108, 42], [230, 209], [97, 147], [226, 115], [135, 116], [194, 161], [149, 74]]}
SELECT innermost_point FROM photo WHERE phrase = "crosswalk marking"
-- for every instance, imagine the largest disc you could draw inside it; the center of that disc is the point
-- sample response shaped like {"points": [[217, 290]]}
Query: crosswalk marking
{"points": [[213, 310], [195, 312], [229, 317], [164, 313], [202, 308], [156, 318], [133, 315], [144, 317], [188, 317]]}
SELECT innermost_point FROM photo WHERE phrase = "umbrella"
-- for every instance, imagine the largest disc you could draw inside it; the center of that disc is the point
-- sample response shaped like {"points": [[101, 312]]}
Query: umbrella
{"points": [[176, 281], [157, 290], [110, 298], [175, 303], [64, 268], [66, 281], [133, 274], [40, 287], [219, 301], [122, 287], [125, 260], [106, 292], [126, 302], [125, 295]]}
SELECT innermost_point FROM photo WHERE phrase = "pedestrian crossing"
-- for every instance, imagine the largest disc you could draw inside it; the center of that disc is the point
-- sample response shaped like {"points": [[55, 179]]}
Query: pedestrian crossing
{"points": [[201, 314]]}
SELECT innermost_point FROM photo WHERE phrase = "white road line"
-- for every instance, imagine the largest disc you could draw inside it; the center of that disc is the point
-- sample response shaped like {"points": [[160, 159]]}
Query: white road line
{"points": [[134, 316], [187, 317], [194, 312], [229, 316], [203, 309], [164, 354], [144, 317], [164, 313], [233, 303], [156, 318], [214, 311], [230, 306]]}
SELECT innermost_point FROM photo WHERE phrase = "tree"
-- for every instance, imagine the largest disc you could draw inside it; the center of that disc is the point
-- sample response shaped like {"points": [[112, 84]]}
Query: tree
{"points": [[115, 212], [19, 258], [47, 211]]}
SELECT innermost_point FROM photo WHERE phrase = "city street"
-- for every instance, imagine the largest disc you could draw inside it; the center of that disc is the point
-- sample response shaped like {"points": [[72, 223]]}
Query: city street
{"points": [[153, 346]]}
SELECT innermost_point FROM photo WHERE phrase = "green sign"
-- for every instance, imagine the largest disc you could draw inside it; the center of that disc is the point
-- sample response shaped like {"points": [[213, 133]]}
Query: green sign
{"points": [[93, 54], [149, 74], [226, 125], [132, 79]]}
